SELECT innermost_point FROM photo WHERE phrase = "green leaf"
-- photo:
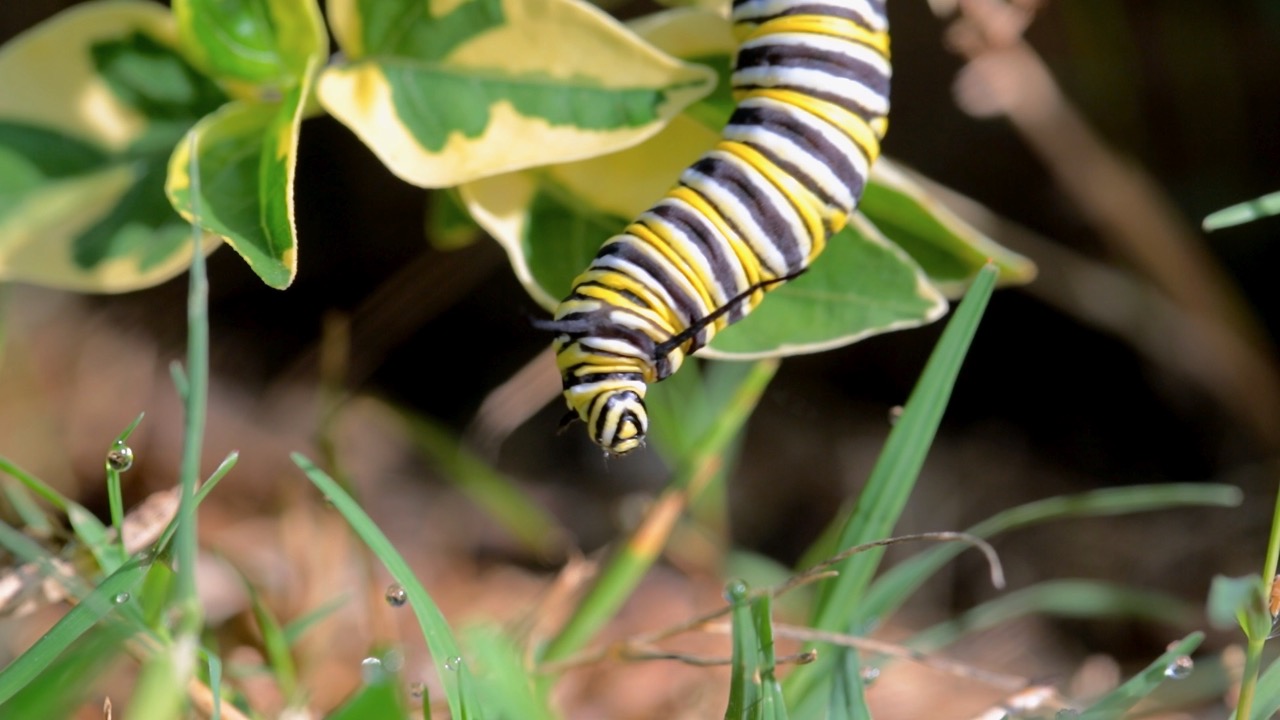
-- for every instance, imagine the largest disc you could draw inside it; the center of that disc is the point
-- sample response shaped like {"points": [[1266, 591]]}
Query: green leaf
{"points": [[860, 286], [451, 666], [94, 100], [891, 481], [1239, 601], [1244, 212], [491, 86], [948, 249], [247, 159], [1118, 701], [261, 42]]}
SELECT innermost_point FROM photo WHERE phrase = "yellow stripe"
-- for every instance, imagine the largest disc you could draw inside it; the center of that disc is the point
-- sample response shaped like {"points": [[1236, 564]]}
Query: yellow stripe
{"points": [[664, 244], [746, 257], [796, 193], [846, 122], [823, 25]]}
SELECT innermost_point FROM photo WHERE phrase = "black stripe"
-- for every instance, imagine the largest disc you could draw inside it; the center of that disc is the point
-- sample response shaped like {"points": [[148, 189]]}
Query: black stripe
{"points": [[776, 229], [785, 124], [713, 246], [840, 65], [686, 307]]}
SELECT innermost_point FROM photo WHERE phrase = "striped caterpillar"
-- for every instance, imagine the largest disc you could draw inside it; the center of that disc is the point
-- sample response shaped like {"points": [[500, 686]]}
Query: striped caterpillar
{"points": [[811, 81]]}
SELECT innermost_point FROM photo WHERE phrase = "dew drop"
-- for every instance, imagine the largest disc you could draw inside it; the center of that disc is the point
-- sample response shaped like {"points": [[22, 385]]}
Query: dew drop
{"points": [[396, 595], [371, 670], [735, 591], [453, 664], [870, 674], [121, 598], [417, 690], [895, 414], [1180, 668], [119, 457]]}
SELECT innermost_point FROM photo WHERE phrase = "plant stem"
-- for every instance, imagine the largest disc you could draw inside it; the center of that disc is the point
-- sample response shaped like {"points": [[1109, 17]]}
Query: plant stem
{"points": [[1253, 656]]}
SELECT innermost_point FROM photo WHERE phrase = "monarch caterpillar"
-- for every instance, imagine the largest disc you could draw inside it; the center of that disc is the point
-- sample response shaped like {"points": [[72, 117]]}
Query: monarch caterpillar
{"points": [[811, 80]]}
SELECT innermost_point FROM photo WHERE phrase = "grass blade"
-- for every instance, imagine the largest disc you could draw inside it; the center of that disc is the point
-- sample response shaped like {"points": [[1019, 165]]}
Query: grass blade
{"points": [[1118, 701], [116, 590], [435, 629], [1062, 598], [848, 693], [1244, 212], [507, 685], [1266, 698], [892, 479], [744, 682], [628, 564], [897, 584], [489, 489]]}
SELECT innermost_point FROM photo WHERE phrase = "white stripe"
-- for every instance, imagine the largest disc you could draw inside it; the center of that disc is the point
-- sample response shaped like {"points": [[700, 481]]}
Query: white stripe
{"points": [[814, 81], [741, 217], [828, 131], [826, 43], [812, 167]]}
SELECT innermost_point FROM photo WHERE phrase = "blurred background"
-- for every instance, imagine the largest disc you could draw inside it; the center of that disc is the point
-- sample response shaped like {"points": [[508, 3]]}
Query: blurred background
{"points": [[1093, 140]]}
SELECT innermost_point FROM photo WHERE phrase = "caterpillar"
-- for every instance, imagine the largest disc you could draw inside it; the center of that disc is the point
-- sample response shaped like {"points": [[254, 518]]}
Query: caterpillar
{"points": [[811, 83]]}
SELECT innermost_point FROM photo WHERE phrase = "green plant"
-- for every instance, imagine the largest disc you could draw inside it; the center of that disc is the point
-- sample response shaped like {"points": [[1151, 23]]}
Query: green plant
{"points": [[201, 114]]}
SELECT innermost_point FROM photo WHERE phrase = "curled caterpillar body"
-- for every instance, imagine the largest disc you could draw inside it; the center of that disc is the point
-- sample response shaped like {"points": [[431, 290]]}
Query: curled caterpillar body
{"points": [[812, 85]]}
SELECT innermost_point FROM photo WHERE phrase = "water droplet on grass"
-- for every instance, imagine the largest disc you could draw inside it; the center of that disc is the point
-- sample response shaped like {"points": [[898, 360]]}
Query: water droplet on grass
{"points": [[396, 595], [1180, 668], [120, 457]]}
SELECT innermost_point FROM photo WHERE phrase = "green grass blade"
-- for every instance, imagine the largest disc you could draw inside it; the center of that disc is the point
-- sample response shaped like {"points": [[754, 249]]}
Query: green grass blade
{"points": [[772, 704], [34, 484], [106, 599], [744, 681], [506, 685], [900, 582], [1063, 598], [1118, 701], [379, 699], [276, 645], [628, 564], [1244, 212], [219, 473], [119, 459], [295, 629], [61, 687], [435, 629], [892, 479], [25, 506], [1266, 697], [848, 693], [493, 492], [214, 664]]}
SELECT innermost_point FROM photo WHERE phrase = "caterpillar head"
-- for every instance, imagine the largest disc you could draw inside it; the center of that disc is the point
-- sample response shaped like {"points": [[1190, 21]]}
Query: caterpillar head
{"points": [[621, 423], [616, 418]]}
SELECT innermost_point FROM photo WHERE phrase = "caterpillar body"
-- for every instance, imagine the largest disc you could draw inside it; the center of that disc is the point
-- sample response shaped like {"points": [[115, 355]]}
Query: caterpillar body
{"points": [[811, 81]]}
